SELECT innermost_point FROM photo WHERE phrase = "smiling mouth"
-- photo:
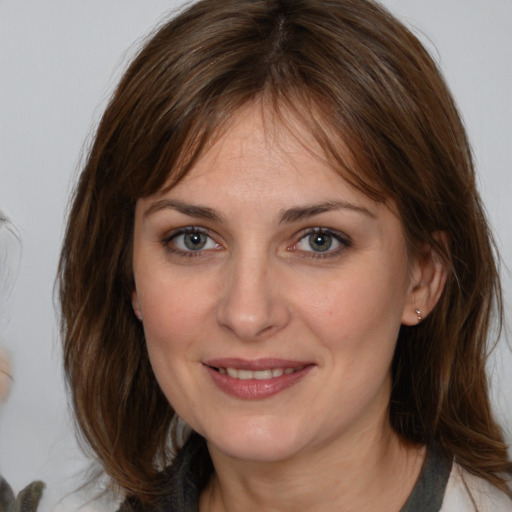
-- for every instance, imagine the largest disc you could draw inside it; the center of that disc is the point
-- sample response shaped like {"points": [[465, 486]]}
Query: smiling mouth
{"points": [[265, 374], [256, 379]]}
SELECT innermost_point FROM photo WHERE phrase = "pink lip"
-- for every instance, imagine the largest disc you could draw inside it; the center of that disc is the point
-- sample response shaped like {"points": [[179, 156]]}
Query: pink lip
{"points": [[255, 389]]}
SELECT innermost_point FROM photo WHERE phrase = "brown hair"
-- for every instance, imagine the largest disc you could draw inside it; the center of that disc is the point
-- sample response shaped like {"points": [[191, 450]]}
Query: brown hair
{"points": [[352, 73]]}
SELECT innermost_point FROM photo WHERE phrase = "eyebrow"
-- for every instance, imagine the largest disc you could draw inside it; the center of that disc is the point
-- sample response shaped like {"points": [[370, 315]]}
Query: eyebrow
{"points": [[200, 212], [288, 215], [305, 212]]}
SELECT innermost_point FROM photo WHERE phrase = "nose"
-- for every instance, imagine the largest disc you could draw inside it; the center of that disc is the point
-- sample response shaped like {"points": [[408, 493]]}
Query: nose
{"points": [[252, 304]]}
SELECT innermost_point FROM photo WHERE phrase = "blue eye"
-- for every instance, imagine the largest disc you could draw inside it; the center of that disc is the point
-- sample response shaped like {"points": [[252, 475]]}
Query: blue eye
{"points": [[191, 240], [321, 241]]}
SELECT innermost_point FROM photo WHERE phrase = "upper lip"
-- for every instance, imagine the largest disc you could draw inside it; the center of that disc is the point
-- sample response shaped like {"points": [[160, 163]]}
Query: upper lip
{"points": [[255, 364]]}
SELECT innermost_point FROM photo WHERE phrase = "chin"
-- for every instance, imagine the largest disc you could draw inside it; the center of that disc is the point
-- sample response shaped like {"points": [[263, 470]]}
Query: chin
{"points": [[257, 441]]}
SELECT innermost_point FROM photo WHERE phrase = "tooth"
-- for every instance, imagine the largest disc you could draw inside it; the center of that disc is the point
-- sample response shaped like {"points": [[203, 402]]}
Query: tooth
{"points": [[232, 372], [263, 374], [258, 374]]}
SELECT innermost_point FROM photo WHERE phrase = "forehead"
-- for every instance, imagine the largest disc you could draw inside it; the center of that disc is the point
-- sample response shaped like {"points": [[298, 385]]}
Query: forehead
{"points": [[265, 161], [265, 138]]}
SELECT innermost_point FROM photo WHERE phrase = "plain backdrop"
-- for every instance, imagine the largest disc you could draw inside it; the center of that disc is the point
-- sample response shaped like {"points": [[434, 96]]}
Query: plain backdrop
{"points": [[59, 61]]}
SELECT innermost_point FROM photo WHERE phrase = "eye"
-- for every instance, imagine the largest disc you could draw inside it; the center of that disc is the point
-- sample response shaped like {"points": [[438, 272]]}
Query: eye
{"points": [[321, 242], [189, 240], [318, 242]]}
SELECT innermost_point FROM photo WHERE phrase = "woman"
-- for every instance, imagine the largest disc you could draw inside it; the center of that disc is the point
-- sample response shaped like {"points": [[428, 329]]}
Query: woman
{"points": [[276, 241]]}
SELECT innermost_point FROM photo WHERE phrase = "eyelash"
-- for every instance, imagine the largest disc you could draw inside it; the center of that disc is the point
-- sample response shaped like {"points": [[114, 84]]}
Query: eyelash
{"points": [[343, 241]]}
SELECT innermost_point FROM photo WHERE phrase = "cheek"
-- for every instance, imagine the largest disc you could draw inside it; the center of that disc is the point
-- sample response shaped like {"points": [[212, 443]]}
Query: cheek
{"points": [[355, 310], [173, 303], [174, 313], [174, 319]]}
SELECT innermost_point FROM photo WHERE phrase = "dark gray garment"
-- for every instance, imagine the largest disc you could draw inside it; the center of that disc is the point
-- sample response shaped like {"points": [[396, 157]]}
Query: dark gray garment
{"points": [[428, 493]]}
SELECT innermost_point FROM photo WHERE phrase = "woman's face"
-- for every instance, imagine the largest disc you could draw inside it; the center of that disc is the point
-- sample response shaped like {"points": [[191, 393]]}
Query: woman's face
{"points": [[271, 293]]}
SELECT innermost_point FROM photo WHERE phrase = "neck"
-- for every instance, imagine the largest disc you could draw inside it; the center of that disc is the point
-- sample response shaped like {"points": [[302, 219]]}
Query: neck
{"points": [[372, 470]]}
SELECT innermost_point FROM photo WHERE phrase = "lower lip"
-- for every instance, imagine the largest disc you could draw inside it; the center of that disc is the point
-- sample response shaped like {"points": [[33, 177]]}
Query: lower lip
{"points": [[254, 389]]}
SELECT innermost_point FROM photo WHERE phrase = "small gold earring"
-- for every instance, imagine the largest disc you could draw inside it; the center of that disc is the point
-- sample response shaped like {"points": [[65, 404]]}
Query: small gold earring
{"points": [[418, 314]]}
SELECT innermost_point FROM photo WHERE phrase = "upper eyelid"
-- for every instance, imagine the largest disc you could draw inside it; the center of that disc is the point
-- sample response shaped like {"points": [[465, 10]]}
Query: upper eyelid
{"points": [[169, 235], [343, 237]]}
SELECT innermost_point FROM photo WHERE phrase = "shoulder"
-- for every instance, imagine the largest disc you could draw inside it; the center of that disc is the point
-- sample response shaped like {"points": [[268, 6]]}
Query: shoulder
{"points": [[468, 493]]}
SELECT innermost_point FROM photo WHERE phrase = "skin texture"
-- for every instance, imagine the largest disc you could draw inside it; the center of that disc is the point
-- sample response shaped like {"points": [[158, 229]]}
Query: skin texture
{"points": [[261, 288]]}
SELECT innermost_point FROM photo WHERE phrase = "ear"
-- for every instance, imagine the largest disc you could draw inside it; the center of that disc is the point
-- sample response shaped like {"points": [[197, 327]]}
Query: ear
{"points": [[428, 278], [136, 305]]}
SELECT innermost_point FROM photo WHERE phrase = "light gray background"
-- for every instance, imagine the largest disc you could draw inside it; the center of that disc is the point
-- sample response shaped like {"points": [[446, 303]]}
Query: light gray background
{"points": [[59, 60]]}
